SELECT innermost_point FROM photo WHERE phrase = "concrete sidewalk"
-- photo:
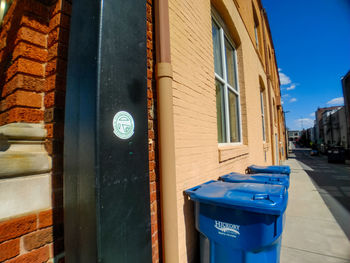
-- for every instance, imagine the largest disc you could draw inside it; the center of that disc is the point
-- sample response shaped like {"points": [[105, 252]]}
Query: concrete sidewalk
{"points": [[311, 233]]}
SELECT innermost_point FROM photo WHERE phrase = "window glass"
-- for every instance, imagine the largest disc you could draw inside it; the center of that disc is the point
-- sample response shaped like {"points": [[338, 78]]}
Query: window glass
{"points": [[217, 49], [263, 128], [262, 114], [230, 63], [256, 36], [234, 117], [220, 112]]}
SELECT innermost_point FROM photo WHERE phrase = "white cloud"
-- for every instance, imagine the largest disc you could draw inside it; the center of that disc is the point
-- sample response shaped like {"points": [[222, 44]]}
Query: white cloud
{"points": [[336, 101], [293, 100], [312, 114], [304, 123], [279, 69], [285, 80], [282, 102], [291, 87], [285, 95]]}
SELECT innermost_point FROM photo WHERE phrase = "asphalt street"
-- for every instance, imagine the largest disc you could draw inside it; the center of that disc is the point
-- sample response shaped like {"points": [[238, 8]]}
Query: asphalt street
{"points": [[332, 181]]}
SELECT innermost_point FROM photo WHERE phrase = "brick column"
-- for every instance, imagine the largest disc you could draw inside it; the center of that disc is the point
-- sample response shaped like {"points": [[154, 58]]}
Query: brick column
{"points": [[152, 138]]}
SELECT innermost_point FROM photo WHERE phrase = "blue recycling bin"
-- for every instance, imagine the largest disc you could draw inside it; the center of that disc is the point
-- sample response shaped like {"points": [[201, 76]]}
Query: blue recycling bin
{"points": [[273, 169], [279, 179], [239, 222]]}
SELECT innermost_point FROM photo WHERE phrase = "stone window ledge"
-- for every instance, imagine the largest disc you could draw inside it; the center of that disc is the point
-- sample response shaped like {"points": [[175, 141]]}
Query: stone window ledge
{"points": [[22, 150]]}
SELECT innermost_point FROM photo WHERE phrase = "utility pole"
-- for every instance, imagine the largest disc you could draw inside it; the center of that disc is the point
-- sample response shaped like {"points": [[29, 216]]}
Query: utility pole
{"points": [[286, 134], [302, 122]]}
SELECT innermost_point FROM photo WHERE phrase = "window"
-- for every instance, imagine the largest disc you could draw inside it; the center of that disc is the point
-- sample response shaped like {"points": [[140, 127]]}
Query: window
{"points": [[227, 90], [256, 28], [274, 111], [262, 105]]}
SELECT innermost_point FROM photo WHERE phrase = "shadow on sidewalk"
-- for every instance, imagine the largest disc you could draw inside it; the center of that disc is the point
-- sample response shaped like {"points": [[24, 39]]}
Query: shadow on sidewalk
{"points": [[332, 182]]}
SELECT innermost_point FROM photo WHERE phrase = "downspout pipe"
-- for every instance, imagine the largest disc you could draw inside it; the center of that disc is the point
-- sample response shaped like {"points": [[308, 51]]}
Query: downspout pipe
{"points": [[269, 89], [170, 250]]}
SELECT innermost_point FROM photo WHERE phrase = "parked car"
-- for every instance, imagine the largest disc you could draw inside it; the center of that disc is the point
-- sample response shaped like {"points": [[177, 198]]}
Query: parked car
{"points": [[314, 152], [336, 154]]}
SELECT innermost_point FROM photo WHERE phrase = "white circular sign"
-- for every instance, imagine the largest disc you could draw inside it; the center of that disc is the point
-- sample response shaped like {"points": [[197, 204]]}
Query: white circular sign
{"points": [[123, 125]]}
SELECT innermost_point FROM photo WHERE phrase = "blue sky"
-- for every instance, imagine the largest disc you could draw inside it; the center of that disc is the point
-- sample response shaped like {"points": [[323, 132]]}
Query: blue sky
{"points": [[312, 44]]}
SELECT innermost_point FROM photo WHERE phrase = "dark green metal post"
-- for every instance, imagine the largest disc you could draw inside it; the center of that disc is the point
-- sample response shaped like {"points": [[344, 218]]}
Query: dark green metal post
{"points": [[106, 180]]}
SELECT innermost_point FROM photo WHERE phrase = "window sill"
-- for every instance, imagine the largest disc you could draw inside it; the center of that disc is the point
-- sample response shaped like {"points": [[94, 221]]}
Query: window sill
{"points": [[229, 152]]}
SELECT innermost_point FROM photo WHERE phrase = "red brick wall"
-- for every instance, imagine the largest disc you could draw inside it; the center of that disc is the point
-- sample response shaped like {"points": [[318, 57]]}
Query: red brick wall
{"points": [[30, 238], [33, 55], [23, 56], [152, 128]]}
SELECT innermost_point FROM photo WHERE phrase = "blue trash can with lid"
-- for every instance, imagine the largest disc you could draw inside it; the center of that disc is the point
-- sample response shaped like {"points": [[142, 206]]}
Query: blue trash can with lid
{"points": [[279, 179], [273, 169], [239, 222]]}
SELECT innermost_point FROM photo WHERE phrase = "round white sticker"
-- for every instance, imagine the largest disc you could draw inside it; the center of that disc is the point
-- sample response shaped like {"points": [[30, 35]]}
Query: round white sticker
{"points": [[123, 125]]}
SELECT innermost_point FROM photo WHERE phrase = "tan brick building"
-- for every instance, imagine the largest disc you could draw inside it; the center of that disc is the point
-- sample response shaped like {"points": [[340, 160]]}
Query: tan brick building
{"points": [[213, 104], [199, 30]]}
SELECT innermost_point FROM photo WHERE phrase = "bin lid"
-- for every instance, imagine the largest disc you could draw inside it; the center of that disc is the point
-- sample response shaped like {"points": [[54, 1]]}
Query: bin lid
{"points": [[274, 169], [280, 179], [253, 197]]}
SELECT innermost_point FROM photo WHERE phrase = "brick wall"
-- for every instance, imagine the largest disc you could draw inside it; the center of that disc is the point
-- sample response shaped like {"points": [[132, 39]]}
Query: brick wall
{"points": [[33, 53], [54, 103], [22, 67], [152, 132], [30, 238], [198, 156]]}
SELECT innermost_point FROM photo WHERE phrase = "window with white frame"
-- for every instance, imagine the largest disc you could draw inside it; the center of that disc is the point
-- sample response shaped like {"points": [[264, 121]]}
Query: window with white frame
{"points": [[262, 115], [227, 90]]}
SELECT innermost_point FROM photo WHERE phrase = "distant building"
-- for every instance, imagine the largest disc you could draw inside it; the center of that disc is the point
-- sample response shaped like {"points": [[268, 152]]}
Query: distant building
{"points": [[346, 94], [293, 136], [319, 123], [334, 127], [310, 136]]}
